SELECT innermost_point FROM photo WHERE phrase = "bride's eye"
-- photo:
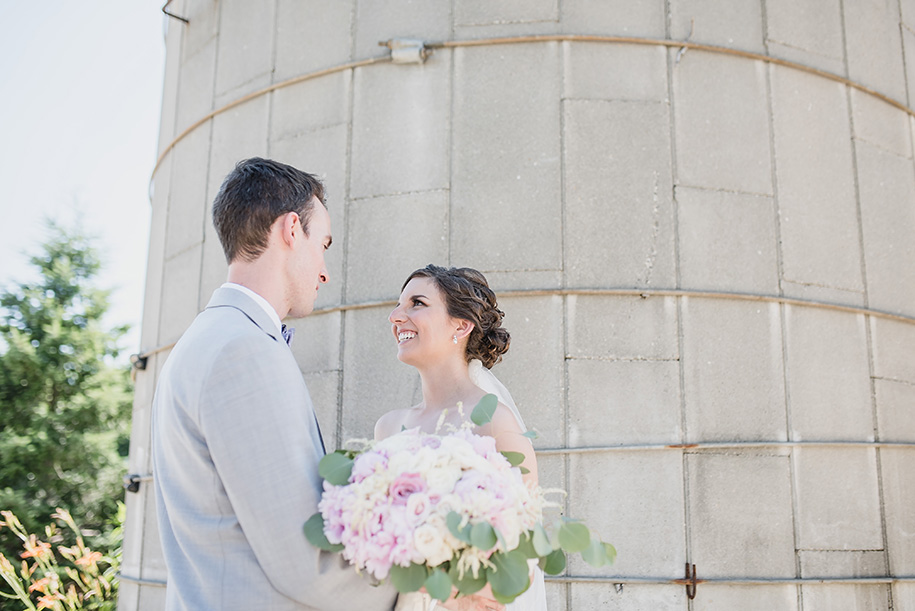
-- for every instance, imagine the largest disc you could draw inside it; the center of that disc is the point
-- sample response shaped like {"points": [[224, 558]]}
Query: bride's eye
{"points": [[417, 302]]}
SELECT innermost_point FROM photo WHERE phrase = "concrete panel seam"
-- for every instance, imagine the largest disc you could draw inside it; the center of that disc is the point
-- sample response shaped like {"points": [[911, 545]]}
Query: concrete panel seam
{"points": [[563, 151], [614, 101], [506, 22], [178, 253], [897, 380], [879, 146], [643, 293], [533, 39], [292, 135], [902, 29], [399, 193], [338, 434], [722, 190], [796, 47], [628, 359], [451, 84]]}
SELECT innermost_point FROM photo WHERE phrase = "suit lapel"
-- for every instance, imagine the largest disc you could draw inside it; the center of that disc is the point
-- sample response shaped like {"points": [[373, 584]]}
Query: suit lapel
{"points": [[230, 298]]}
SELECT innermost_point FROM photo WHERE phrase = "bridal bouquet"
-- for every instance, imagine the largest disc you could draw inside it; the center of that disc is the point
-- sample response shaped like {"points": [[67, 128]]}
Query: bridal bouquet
{"points": [[441, 511]]}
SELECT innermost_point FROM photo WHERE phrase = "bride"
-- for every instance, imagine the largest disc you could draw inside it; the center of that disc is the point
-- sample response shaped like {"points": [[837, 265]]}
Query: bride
{"points": [[448, 326]]}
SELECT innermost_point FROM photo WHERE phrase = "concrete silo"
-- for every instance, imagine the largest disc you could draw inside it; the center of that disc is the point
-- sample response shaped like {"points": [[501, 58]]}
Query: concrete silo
{"points": [[700, 216]]}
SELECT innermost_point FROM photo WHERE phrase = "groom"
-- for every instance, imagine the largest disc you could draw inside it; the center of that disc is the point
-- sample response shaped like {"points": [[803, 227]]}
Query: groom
{"points": [[236, 443]]}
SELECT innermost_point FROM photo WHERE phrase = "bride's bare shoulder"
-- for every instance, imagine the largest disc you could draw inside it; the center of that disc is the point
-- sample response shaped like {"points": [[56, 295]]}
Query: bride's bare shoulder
{"points": [[391, 422], [503, 421]]}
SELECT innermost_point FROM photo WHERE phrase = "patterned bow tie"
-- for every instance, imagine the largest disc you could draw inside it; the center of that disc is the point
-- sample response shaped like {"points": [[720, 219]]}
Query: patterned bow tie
{"points": [[288, 333]]}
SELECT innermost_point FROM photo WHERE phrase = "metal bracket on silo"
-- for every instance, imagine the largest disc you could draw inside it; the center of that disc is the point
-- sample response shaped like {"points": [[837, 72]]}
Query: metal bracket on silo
{"points": [[132, 481], [407, 50], [172, 15]]}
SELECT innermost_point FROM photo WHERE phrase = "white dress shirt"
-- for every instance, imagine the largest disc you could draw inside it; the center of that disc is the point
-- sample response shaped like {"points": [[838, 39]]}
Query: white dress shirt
{"points": [[263, 303]]}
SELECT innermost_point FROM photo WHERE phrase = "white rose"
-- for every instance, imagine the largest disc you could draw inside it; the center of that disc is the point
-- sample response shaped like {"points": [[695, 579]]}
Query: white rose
{"points": [[430, 543], [458, 451], [510, 529], [441, 480], [399, 462]]}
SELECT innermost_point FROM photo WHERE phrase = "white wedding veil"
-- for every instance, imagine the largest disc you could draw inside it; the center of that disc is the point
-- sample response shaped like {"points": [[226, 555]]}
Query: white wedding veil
{"points": [[534, 599], [484, 379]]}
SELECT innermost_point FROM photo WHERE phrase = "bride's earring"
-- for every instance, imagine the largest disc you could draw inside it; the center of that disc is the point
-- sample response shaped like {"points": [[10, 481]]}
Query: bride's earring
{"points": [[454, 338]]}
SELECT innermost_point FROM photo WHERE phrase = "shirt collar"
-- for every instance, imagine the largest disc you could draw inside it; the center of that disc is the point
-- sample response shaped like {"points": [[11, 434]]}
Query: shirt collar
{"points": [[263, 303]]}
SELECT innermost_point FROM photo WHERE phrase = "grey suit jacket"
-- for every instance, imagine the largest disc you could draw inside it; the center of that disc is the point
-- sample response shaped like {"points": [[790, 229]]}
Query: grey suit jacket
{"points": [[236, 451]]}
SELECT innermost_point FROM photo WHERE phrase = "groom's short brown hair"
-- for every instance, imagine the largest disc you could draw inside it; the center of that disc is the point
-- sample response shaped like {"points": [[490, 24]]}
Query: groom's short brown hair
{"points": [[253, 196]]}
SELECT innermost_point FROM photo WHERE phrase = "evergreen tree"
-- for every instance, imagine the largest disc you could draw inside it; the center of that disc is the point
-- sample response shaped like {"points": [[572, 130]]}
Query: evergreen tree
{"points": [[64, 402]]}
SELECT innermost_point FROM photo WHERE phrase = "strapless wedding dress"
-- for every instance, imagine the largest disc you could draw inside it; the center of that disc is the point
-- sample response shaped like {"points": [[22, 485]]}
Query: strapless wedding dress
{"points": [[534, 599]]}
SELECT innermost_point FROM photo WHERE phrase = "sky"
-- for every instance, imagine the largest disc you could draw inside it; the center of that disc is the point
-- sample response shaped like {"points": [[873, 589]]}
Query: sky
{"points": [[81, 87]]}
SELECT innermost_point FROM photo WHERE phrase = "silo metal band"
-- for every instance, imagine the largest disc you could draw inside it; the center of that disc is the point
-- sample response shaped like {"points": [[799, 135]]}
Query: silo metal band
{"points": [[628, 40], [137, 478], [642, 293], [615, 580], [154, 583]]}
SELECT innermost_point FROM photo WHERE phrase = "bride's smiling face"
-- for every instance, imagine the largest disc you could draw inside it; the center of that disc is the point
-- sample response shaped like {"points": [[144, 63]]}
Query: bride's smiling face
{"points": [[421, 324]]}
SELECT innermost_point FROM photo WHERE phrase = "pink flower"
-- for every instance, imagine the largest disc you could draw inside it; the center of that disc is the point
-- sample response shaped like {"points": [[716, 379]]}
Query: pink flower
{"points": [[432, 441], [404, 485], [484, 446], [418, 507], [366, 464]]}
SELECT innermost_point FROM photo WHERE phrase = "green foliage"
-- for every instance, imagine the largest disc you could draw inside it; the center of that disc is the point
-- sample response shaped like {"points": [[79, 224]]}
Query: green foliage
{"points": [[574, 537], [510, 576], [484, 410], [336, 467], [314, 532], [513, 458], [64, 403], [438, 585], [461, 531], [483, 536], [409, 578], [466, 583]]}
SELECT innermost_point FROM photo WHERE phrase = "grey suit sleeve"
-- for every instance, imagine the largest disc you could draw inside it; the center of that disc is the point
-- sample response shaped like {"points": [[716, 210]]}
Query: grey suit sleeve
{"points": [[259, 425]]}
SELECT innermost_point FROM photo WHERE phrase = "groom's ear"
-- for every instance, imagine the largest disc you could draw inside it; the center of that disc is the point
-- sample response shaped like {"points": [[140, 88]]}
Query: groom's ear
{"points": [[287, 227], [463, 328]]}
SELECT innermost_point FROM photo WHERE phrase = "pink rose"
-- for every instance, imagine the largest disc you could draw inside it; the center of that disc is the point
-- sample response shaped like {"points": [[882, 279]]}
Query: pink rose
{"points": [[418, 507], [405, 485]]}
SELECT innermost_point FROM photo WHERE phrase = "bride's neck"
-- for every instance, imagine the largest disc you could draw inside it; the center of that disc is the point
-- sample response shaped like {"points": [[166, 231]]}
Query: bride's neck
{"points": [[444, 384]]}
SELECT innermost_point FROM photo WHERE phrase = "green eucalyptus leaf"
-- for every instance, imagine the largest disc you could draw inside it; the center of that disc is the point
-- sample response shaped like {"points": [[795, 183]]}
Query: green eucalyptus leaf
{"points": [[594, 554], [610, 552], [554, 563], [531, 435], [525, 470], [483, 536], [438, 585], [469, 584], [574, 537], [514, 458], [453, 521], [483, 412], [336, 468], [500, 537], [511, 575], [314, 532], [409, 578], [526, 545], [541, 541]]}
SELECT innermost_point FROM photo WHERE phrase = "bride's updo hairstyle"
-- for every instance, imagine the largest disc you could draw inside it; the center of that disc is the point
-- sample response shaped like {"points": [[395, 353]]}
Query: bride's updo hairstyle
{"points": [[468, 296]]}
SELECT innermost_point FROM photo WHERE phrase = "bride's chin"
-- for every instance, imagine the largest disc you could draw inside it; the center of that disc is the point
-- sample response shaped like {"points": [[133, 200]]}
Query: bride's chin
{"points": [[405, 358]]}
